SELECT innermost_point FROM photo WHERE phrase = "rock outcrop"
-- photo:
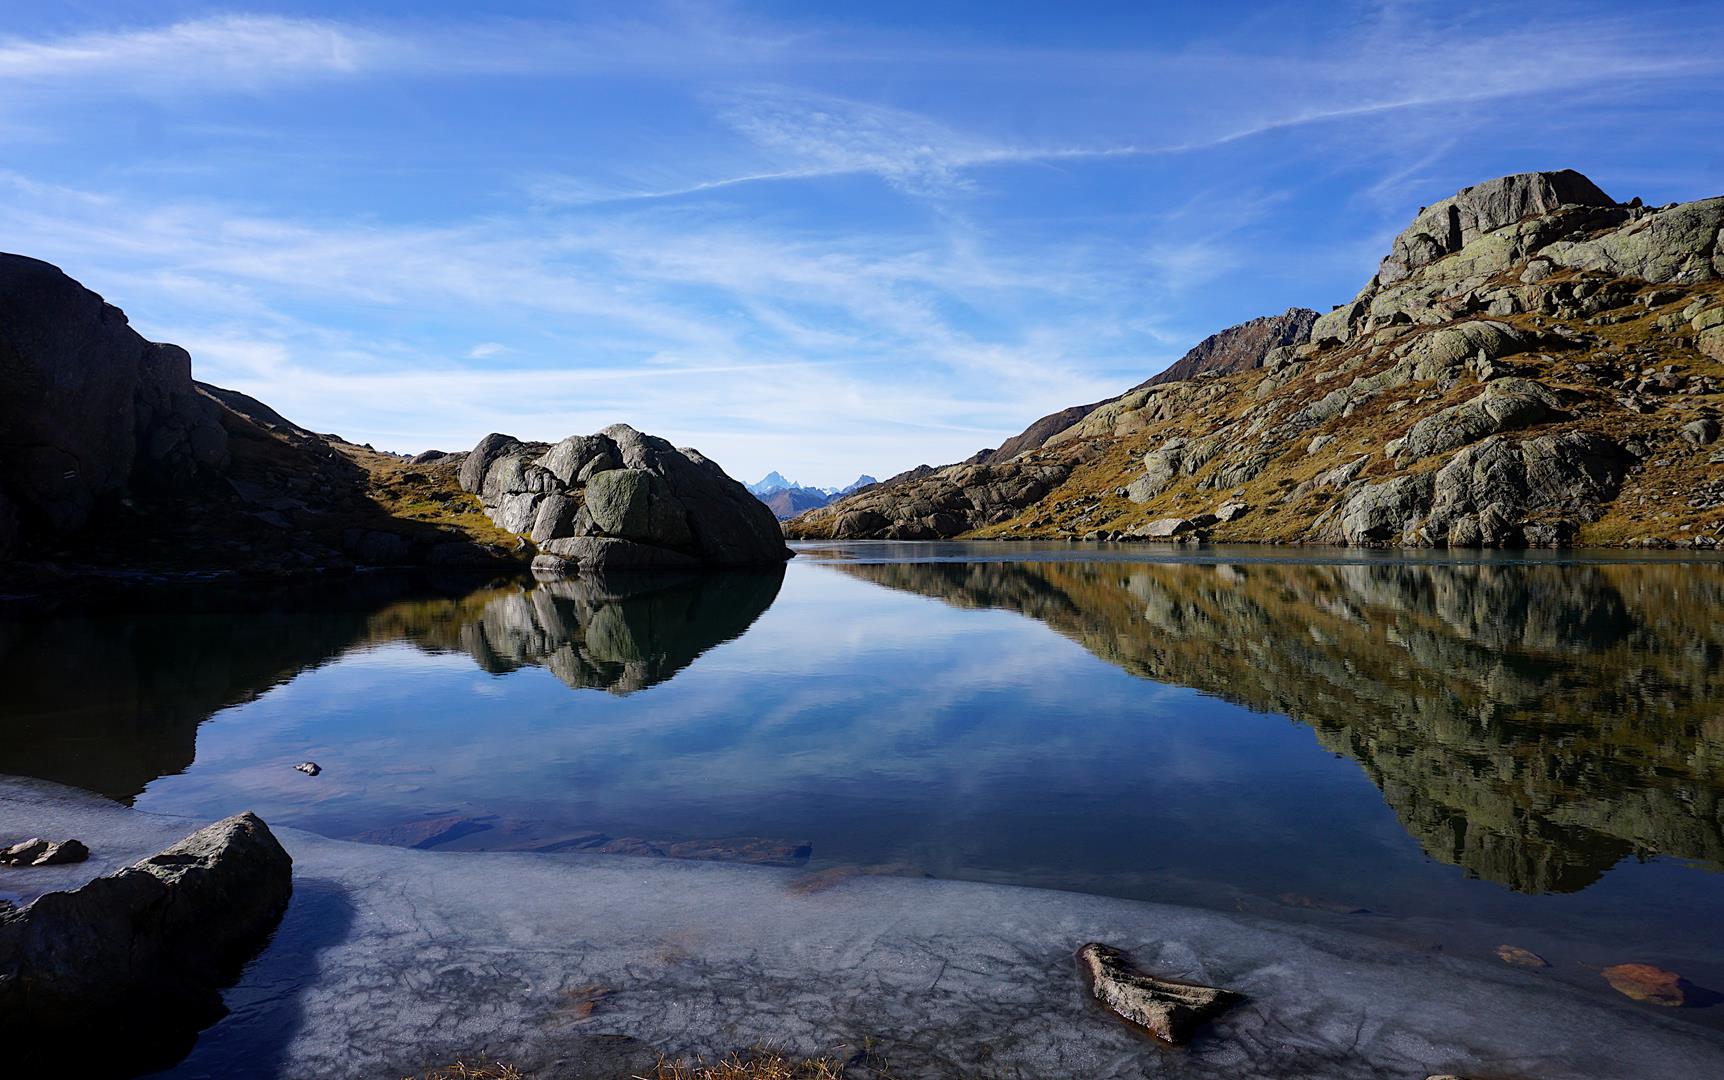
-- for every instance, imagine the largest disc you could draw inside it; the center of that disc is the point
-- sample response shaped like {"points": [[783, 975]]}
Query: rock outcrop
{"points": [[620, 500], [120, 974], [90, 410], [1532, 363]]}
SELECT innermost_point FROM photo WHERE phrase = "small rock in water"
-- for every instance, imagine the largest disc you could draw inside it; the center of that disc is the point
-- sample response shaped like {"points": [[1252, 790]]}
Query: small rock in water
{"points": [[38, 852], [1317, 904], [1643, 982], [1519, 957], [24, 852], [309, 768], [1169, 1010]]}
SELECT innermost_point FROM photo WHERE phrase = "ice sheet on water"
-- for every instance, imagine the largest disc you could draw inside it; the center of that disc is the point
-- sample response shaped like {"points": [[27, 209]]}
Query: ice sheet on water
{"points": [[392, 959]]}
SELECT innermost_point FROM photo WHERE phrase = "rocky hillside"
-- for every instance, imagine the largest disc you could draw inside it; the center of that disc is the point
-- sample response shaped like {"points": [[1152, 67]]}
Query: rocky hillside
{"points": [[1533, 363]]}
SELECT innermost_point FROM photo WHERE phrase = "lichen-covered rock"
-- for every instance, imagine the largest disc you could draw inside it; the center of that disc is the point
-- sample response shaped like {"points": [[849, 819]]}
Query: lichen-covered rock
{"points": [[1678, 243], [1701, 432], [1166, 528], [1503, 406], [1487, 494], [620, 500], [138, 956], [1447, 226]]}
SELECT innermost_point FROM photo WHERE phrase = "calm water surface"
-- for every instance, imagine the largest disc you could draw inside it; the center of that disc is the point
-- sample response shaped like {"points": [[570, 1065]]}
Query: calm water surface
{"points": [[1459, 753]]}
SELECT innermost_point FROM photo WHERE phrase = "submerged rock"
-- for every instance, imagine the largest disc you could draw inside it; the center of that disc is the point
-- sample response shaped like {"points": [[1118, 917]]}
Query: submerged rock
{"points": [[1519, 957], [1644, 982], [139, 955], [309, 768], [1168, 1010]]}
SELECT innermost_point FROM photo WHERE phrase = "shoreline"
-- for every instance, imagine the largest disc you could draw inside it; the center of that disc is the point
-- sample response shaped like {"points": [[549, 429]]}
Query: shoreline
{"points": [[392, 960]]}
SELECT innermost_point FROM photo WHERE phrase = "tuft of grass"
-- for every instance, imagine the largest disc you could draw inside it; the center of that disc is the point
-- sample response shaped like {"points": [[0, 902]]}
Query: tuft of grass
{"points": [[761, 1065], [463, 1071]]}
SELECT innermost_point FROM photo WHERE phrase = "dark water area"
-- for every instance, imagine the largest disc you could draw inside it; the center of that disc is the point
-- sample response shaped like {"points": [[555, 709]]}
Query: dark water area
{"points": [[1455, 752]]}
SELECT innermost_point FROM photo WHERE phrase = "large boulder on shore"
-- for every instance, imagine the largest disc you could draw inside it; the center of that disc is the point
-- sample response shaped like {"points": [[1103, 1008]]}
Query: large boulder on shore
{"points": [[121, 974], [620, 500], [90, 410]]}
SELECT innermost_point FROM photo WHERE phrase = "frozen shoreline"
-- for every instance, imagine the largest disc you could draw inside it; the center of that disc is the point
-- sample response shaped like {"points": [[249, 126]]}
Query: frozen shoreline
{"points": [[392, 960]]}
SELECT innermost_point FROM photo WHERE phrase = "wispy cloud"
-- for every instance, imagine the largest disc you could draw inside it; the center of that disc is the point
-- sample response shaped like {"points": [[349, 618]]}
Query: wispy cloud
{"points": [[242, 50]]}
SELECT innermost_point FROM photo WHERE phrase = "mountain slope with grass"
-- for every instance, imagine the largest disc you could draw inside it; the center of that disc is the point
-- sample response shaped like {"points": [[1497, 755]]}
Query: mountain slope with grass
{"points": [[1533, 364]]}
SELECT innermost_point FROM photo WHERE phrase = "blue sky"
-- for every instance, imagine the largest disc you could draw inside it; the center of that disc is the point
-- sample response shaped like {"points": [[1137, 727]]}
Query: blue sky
{"points": [[826, 239]]}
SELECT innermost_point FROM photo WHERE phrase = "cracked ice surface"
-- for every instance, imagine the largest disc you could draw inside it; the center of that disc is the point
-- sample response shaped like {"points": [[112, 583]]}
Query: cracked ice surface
{"points": [[390, 960]]}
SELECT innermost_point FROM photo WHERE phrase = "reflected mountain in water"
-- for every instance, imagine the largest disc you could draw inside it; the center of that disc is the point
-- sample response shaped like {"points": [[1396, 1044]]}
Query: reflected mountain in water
{"points": [[111, 701], [1533, 724]]}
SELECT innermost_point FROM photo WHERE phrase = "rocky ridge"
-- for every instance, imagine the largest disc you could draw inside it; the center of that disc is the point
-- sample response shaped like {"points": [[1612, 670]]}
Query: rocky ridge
{"points": [[1533, 363]]}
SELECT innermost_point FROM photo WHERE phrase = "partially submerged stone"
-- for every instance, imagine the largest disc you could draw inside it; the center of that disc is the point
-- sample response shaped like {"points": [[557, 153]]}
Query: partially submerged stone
{"points": [[1169, 1010], [1644, 982], [39, 852], [139, 955]]}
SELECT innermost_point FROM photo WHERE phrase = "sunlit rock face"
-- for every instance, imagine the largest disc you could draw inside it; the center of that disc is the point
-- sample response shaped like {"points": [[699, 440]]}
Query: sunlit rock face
{"points": [[620, 500], [1531, 724], [111, 701]]}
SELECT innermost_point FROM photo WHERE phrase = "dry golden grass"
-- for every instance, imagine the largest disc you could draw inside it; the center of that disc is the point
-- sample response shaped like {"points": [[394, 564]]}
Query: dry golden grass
{"points": [[463, 1071], [428, 493], [765, 1065]]}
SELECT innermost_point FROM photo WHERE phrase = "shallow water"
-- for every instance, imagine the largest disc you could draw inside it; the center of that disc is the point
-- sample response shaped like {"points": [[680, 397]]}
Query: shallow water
{"points": [[1457, 752]]}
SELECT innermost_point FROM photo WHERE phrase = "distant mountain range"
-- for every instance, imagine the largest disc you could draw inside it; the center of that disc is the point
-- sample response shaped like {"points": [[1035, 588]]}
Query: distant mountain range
{"points": [[787, 498]]}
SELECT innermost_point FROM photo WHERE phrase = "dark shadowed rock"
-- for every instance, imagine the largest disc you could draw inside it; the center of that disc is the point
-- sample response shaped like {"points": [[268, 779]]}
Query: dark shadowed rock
{"points": [[91, 410], [1169, 1010], [621, 500], [1239, 348], [1040, 432], [139, 955]]}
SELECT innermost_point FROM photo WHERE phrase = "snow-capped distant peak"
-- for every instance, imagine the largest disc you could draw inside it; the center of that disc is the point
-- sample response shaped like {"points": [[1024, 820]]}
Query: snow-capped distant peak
{"points": [[770, 483]]}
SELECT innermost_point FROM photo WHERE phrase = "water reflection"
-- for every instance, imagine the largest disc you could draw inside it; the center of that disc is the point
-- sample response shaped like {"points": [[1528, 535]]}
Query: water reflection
{"points": [[110, 701], [621, 633], [1533, 724]]}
